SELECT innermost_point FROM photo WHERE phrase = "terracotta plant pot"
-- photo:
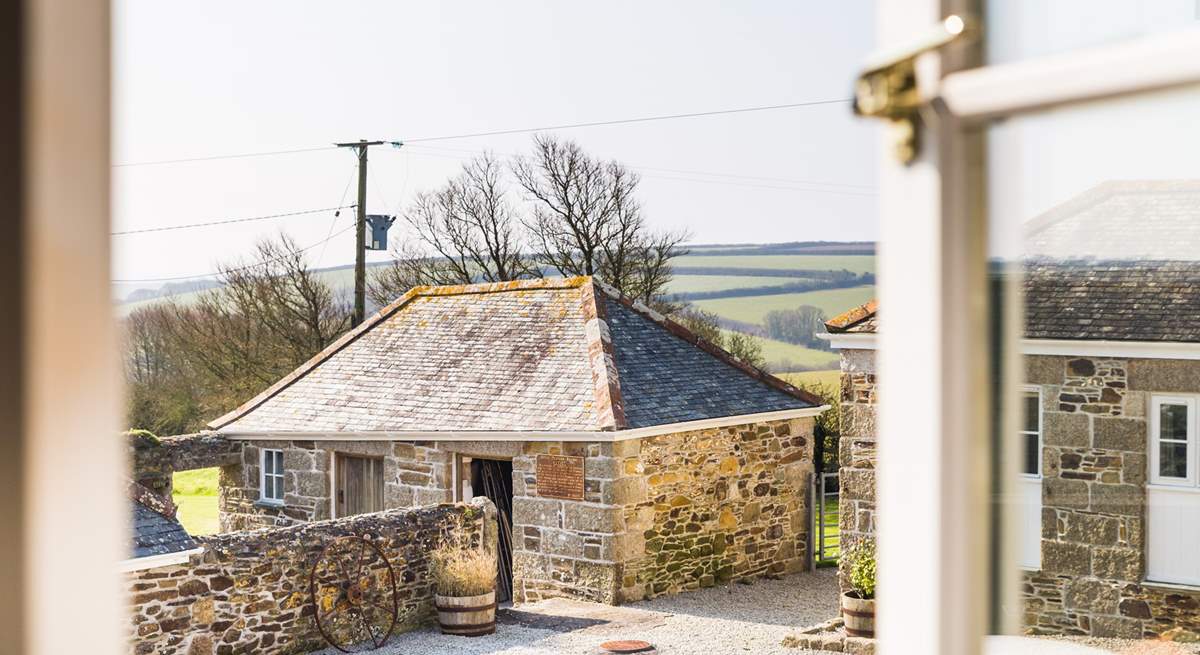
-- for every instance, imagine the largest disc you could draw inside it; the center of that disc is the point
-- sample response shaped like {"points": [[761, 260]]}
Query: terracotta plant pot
{"points": [[467, 616], [858, 615]]}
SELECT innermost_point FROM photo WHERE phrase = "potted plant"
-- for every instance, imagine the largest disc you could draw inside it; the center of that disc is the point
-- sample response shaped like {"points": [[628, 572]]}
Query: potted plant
{"points": [[465, 579], [858, 604]]}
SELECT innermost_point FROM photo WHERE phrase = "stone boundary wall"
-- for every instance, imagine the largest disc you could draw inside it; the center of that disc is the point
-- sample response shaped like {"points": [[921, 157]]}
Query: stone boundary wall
{"points": [[154, 459], [248, 592]]}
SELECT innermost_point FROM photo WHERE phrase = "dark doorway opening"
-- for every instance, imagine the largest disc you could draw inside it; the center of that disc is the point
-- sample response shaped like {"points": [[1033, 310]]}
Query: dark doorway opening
{"points": [[493, 478]]}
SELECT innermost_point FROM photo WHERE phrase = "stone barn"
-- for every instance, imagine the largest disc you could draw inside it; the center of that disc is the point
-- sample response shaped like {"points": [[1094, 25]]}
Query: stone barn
{"points": [[627, 457]]}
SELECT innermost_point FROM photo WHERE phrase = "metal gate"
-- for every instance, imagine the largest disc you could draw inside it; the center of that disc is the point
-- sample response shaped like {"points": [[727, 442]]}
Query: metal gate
{"points": [[825, 516]]}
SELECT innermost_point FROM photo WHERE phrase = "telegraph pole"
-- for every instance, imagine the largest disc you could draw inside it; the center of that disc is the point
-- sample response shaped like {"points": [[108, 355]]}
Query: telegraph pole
{"points": [[360, 231]]}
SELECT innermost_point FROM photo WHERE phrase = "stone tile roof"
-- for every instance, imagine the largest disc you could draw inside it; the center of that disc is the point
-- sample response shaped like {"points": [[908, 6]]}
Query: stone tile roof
{"points": [[529, 355], [1117, 301], [155, 529], [1108, 300]]}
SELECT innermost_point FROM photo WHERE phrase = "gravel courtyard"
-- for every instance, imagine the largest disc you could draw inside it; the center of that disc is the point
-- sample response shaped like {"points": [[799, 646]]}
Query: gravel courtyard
{"points": [[735, 619]]}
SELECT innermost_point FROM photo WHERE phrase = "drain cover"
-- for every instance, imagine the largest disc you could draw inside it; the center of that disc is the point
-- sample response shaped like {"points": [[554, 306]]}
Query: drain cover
{"points": [[627, 646]]}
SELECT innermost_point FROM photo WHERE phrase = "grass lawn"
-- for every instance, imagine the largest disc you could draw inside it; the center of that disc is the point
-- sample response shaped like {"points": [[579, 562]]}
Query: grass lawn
{"points": [[196, 496], [751, 309], [852, 263], [808, 379], [696, 283]]}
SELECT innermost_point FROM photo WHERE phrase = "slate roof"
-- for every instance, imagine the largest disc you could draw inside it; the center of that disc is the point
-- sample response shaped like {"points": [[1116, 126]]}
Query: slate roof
{"points": [[1106, 300], [155, 529], [547, 355]]}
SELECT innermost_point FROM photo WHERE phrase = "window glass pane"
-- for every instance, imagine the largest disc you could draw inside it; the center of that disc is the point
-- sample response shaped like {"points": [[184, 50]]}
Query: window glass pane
{"points": [[1172, 422], [1032, 412], [279, 462], [1022, 29], [1172, 460], [269, 487], [1033, 449]]}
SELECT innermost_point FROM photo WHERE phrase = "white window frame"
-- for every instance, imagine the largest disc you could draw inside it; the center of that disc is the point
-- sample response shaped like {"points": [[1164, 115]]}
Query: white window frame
{"points": [[933, 357], [1156, 479], [1041, 434], [263, 453]]}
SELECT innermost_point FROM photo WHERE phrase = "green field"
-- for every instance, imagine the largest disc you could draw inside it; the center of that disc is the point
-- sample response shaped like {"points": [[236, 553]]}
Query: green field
{"points": [[751, 309], [697, 283], [779, 353], [195, 494], [811, 379], [852, 263]]}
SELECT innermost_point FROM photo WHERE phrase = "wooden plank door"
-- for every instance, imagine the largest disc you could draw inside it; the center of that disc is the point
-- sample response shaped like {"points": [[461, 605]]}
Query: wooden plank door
{"points": [[359, 485]]}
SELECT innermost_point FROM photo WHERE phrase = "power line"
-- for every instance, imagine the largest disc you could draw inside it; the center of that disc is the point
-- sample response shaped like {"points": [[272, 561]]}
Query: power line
{"points": [[623, 121], [751, 181], [230, 220], [241, 155], [240, 268]]}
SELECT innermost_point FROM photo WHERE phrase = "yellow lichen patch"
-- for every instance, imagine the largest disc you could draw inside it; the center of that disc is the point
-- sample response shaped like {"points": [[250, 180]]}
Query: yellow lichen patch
{"points": [[727, 521]]}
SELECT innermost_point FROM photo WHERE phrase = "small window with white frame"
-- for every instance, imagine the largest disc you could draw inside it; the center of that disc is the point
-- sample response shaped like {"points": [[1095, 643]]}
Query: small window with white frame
{"points": [[271, 483], [1173, 441], [1031, 433]]}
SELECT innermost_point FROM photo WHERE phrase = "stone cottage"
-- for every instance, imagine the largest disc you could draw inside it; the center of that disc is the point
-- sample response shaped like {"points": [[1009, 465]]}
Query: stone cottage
{"points": [[627, 457], [1110, 465]]}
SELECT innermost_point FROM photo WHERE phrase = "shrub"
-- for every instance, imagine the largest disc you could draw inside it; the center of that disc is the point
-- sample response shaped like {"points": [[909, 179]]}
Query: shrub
{"points": [[860, 564], [463, 571]]}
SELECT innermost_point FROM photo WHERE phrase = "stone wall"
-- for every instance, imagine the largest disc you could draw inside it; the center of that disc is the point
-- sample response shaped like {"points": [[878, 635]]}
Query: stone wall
{"points": [[856, 456], [659, 515], [1094, 499], [415, 474], [247, 592], [154, 460], [1094, 466], [565, 547], [710, 506]]}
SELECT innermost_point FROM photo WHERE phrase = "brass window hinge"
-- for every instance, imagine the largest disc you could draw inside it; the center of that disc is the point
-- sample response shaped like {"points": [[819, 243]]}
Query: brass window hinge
{"points": [[888, 89]]}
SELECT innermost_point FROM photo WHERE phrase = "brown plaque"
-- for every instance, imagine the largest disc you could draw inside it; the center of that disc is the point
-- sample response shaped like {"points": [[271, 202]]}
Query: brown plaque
{"points": [[560, 476]]}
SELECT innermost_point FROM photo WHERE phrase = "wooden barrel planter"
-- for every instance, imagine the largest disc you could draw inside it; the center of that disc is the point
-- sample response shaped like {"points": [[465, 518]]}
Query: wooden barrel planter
{"points": [[467, 616], [858, 614]]}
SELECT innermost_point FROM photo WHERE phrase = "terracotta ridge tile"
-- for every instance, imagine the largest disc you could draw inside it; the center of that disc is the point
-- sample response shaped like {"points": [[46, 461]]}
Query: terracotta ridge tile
{"points": [[146, 497], [850, 317]]}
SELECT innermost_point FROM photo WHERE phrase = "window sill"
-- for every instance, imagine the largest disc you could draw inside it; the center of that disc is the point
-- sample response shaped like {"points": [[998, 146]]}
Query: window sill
{"points": [[269, 504], [1172, 586]]}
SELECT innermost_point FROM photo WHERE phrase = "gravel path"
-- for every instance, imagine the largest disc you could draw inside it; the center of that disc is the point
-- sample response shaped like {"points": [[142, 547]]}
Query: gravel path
{"points": [[735, 619]]}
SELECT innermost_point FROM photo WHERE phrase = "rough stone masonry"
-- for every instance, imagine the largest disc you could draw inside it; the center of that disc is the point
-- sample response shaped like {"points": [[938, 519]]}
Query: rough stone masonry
{"points": [[248, 592]]}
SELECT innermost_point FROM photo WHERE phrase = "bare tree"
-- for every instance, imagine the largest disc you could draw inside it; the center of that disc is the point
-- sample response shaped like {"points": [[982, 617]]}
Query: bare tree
{"points": [[467, 231], [586, 219], [746, 348], [268, 317]]}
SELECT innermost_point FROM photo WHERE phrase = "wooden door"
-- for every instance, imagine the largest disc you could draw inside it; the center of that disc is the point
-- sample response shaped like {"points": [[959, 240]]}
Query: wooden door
{"points": [[359, 485]]}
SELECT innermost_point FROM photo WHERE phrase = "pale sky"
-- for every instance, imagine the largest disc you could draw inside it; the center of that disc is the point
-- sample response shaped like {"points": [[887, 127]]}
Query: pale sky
{"points": [[218, 78]]}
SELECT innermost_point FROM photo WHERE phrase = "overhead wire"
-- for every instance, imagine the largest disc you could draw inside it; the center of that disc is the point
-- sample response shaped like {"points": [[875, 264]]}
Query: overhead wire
{"points": [[168, 228], [522, 130]]}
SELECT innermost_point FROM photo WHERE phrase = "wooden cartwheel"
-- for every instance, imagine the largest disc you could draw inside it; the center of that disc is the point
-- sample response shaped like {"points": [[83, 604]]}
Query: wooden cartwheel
{"points": [[352, 587]]}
